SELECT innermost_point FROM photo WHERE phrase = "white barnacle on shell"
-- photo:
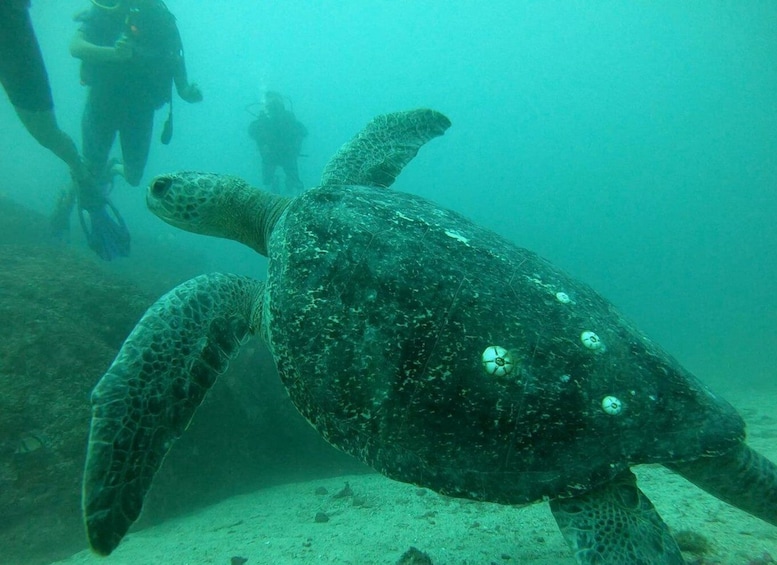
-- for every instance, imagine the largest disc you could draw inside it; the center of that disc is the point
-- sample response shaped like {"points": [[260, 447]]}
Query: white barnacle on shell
{"points": [[592, 341], [612, 405], [563, 297], [497, 361]]}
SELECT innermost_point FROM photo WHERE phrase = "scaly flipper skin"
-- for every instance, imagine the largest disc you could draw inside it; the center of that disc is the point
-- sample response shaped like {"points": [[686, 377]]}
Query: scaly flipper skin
{"points": [[743, 478], [615, 524], [381, 150], [148, 396]]}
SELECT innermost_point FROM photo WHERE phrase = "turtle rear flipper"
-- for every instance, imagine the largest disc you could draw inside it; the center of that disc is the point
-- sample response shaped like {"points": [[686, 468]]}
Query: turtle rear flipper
{"points": [[742, 477], [615, 524], [149, 394]]}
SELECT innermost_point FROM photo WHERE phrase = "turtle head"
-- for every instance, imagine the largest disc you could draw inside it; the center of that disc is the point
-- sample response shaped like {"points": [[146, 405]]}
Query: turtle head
{"points": [[192, 201], [216, 205]]}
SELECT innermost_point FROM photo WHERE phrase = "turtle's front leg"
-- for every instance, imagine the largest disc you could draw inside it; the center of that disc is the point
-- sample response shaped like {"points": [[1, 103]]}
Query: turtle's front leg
{"points": [[616, 524], [149, 394]]}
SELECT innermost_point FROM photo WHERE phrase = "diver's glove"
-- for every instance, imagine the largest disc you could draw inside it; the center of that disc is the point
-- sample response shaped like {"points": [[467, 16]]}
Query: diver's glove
{"points": [[190, 93]]}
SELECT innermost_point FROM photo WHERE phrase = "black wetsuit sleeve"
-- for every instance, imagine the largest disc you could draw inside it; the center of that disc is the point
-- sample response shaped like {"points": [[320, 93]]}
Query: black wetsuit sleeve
{"points": [[22, 71]]}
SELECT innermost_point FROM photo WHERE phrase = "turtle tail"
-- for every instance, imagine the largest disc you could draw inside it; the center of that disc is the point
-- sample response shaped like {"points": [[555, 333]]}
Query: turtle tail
{"points": [[742, 477], [150, 392]]}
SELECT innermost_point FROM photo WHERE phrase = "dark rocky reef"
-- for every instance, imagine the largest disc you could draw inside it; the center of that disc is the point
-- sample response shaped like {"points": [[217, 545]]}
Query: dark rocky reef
{"points": [[64, 316]]}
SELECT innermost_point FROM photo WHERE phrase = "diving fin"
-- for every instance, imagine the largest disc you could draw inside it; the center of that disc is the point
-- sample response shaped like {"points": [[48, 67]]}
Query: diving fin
{"points": [[105, 230]]}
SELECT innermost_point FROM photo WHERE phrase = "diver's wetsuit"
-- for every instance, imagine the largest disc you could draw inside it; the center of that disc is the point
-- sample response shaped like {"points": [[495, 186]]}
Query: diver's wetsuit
{"points": [[124, 95], [22, 71]]}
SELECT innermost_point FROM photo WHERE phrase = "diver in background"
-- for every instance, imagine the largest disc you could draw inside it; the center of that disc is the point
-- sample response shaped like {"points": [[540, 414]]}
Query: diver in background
{"points": [[278, 135], [131, 55]]}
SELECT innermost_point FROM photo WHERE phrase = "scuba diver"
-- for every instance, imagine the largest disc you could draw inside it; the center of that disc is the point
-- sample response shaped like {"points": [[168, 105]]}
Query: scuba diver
{"points": [[278, 135], [131, 56], [25, 80]]}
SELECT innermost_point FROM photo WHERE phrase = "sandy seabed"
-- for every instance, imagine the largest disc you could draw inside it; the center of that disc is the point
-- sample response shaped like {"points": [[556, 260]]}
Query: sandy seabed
{"points": [[382, 519]]}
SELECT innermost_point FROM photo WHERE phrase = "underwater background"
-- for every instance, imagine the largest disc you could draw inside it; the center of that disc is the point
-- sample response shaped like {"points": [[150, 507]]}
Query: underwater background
{"points": [[633, 144]]}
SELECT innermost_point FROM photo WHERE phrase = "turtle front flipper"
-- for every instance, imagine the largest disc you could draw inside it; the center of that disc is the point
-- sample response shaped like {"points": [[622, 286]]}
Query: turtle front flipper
{"points": [[149, 394], [615, 524], [381, 150], [742, 477]]}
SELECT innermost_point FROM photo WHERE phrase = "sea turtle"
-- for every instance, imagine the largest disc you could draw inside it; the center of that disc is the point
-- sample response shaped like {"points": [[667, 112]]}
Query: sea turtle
{"points": [[428, 347]]}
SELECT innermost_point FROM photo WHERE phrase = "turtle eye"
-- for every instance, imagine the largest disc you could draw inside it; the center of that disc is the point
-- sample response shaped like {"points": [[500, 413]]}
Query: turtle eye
{"points": [[160, 186]]}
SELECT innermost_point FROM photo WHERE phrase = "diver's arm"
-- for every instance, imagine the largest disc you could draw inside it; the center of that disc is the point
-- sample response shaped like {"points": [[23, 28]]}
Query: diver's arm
{"points": [[82, 49], [190, 92]]}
